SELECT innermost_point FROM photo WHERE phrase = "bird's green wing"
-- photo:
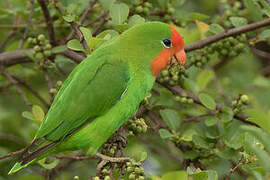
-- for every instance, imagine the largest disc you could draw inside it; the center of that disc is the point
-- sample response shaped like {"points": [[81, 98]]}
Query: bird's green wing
{"points": [[90, 90]]}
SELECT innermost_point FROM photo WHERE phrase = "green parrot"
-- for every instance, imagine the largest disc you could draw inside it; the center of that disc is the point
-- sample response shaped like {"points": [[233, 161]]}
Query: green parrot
{"points": [[104, 90]]}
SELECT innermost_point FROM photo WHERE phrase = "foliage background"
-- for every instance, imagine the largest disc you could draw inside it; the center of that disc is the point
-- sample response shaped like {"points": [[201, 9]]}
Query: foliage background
{"points": [[187, 133]]}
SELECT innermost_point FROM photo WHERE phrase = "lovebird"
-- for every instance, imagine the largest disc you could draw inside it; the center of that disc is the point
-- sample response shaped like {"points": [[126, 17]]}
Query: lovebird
{"points": [[104, 90]]}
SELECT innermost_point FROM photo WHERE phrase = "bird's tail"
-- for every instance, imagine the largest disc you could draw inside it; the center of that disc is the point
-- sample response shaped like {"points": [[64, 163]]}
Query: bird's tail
{"points": [[29, 155]]}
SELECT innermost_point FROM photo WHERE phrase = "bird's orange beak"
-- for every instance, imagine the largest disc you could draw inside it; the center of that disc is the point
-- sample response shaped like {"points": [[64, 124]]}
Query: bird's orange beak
{"points": [[181, 57], [178, 47]]}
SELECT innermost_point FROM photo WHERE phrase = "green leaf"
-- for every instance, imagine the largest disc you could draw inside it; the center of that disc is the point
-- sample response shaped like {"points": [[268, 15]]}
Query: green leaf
{"points": [[143, 156], [59, 49], [216, 28], [255, 12], [238, 21], [171, 118], [197, 16], [259, 134], [119, 13], [199, 141], [106, 4], [204, 78], [207, 101], [265, 34], [95, 42], [28, 115], [226, 114], [134, 20], [262, 156], [75, 45], [188, 134], [205, 175], [165, 134], [38, 113], [87, 35], [174, 175], [50, 165], [266, 7], [121, 27], [211, 121], [191, 155], [258, 116], [69, 18], [110, 32]]}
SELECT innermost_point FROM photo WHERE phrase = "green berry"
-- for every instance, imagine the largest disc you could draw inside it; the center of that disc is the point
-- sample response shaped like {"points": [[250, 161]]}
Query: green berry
{"points": [[204, 60], [136, 2], [53, 91], [37, 48], [144, 129], [147, 4], [190, 101], [224, 52], [244, 99], [183, 100], [198, 64], [175, 78], [184, 94], [104, 171], [29, 40], [96, 178], [139, 129], [165, 73], [171, 83], [107, 178], [166, 78], [141, 178], [139, 9], [76, 178], [48, 46], [167, 17], [130, 169], [34, 41], [39, 56], [59, 83], [177, 98], [146, 10], [47, 53], [41, 37], [171, 10], [137, 170], [132, 176]]}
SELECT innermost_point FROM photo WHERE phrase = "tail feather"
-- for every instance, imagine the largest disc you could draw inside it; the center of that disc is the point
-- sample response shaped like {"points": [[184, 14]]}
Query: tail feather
{"points": [[36, 149]]}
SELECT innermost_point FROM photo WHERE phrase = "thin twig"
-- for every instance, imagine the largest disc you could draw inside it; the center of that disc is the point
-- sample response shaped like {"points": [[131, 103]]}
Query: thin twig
{"points": [[49, 22], [5, 41], [11, 154], [26, 31], [231, 32], [15, 84], [49, 83], [32, 90]]}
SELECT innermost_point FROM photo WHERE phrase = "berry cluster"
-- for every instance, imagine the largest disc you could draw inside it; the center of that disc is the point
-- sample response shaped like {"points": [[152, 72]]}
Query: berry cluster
{"points": [[134, 171], [184, 99], [173, 75], [227, 48], [200, 57], [239, 102], [141, 7], [136, 126], [42, 47], [56, 89], [231, 8]]}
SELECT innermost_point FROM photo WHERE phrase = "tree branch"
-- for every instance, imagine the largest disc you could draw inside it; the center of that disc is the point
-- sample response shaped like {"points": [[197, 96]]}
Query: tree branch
{"points": [[15, 84], [49, 22], [11, 154], [231, 32]]}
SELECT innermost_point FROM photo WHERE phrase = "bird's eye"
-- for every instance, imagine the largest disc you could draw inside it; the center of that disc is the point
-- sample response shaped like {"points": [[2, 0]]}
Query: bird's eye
{"points": [[167, 43]]}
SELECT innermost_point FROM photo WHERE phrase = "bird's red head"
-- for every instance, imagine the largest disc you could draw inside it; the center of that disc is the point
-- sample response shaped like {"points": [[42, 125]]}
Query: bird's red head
{"points": [[164, 58]]}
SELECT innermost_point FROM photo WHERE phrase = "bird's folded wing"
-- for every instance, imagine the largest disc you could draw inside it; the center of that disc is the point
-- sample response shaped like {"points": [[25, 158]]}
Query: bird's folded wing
{"points": [[90, 90]]}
